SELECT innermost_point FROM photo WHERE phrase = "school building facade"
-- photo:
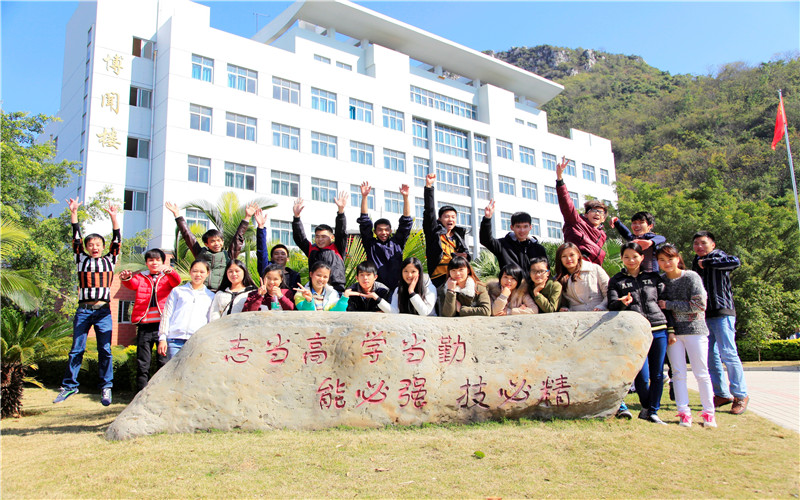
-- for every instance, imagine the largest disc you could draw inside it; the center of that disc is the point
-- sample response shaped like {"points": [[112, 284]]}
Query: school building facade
{"points": [[159, 106]]}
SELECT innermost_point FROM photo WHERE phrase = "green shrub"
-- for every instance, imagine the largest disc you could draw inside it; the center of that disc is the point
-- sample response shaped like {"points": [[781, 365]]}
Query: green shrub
{"points": [[774, 350]]}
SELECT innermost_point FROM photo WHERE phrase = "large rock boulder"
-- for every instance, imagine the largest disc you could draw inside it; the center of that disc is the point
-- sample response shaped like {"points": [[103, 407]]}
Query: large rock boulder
{"points": [[309, 370]]}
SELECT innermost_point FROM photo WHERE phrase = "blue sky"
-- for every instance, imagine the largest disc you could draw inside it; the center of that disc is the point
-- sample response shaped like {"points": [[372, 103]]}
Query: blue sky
{"points": [[679, 37]]}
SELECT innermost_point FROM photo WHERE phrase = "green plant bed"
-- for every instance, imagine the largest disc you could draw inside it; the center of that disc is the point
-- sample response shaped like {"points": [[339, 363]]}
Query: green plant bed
{"points": [[774, 350]]}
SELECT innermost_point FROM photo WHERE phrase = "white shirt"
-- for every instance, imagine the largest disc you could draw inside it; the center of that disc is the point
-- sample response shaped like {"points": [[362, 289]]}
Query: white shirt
{"points": [[186, 311]]}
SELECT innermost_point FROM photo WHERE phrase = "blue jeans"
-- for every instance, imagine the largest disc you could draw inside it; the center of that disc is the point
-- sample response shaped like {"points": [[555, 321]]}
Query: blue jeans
{"points": [[649, 382], [173, 346], [722, 349], [83, 320]]}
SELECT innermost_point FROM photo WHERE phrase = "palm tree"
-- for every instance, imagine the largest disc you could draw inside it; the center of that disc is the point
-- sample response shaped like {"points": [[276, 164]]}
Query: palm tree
{"points": [[16, 285], [25, 342]]}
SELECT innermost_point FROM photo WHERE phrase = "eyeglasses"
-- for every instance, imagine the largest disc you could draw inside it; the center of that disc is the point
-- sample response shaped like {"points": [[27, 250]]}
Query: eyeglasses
{"points": [[596, 211], [539, 273]]}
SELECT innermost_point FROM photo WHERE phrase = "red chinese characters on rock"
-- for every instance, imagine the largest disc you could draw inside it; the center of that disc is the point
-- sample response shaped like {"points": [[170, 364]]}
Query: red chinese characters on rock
{"points": [[413, 350], [331, 393], [315, 353], [378, 394], [413, 389], [554, 388], [517, 394], [478, 395], [240, 353], [450, 350], [278, 353], [371, 345]]}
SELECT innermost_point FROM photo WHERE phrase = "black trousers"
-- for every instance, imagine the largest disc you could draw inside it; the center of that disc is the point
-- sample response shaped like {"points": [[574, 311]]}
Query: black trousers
{"points": [[146, 337]]}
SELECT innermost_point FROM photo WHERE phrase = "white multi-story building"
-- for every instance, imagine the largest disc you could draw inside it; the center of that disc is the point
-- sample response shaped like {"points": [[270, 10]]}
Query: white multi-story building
{"points": [[161, 107]]}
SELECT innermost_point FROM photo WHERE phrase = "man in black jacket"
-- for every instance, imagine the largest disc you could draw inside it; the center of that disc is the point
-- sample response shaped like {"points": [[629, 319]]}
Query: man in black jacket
{"points": [[518, 246]]}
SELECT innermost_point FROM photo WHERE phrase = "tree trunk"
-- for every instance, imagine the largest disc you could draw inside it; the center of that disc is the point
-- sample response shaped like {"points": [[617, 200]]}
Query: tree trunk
{"points": [[12, 385]]}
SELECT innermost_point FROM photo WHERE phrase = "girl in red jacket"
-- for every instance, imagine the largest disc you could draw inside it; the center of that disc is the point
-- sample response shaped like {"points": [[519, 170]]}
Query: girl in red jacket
{"points": [[152, 288], [270, 295]]}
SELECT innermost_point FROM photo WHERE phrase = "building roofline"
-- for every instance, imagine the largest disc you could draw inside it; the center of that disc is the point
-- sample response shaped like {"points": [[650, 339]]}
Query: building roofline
{"points": [[363, 24]]}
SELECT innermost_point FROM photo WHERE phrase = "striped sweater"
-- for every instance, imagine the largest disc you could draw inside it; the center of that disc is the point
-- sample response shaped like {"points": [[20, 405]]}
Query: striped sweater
{"points": [[95, 274]]}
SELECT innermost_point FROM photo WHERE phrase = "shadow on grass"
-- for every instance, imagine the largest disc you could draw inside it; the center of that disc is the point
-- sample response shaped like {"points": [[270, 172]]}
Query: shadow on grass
{"points": [[100, 429]]}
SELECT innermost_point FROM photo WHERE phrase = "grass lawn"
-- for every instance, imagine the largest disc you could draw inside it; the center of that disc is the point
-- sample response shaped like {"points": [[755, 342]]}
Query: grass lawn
{"points": [[58, 451]]}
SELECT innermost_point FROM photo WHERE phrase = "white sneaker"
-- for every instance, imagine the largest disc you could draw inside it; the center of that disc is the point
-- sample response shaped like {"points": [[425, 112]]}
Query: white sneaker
{"points": [[708, 420], [686, 419]]}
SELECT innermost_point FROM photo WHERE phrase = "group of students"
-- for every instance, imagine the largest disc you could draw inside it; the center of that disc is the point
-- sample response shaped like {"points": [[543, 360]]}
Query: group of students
{"points": [[168, 313]]}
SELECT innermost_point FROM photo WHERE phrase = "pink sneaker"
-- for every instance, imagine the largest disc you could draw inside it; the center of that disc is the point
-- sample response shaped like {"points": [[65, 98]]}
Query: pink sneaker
{"points": [[686, 419], [708, 420]]}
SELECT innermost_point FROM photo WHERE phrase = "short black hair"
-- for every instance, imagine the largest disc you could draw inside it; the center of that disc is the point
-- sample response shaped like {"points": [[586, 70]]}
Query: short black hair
{"points": [[367, 267], [707, 234], [447, 208], [520, 218], [279, 245], [93, 236], [323, 227], [631, 245], [383, 222], [537, 260], [271, 269], [590, 204], [212, 233], [645, 216], [155, 253], [318, 265], [201, 261]]}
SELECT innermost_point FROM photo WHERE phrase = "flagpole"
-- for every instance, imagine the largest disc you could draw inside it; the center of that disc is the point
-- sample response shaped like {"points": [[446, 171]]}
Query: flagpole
{"points": [[789, 152]]}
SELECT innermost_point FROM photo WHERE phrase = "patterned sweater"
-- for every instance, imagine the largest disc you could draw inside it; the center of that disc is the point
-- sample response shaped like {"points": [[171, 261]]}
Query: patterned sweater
{"points": [[686, 299]]}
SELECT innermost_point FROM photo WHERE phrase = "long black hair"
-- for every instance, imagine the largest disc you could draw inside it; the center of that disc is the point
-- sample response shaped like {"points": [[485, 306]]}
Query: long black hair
{"points": [[403, 297], [246, 280]]}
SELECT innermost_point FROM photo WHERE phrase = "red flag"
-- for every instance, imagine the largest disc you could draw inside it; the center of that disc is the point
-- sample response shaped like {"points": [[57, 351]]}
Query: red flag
{"points": [[780, 124]]}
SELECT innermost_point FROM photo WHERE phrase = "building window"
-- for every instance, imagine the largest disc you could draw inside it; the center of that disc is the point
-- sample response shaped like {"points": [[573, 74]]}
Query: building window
{"points": [[464, 214], [520, 121], [323, 145], [285, 90], [323, 190], [242, 79], [422, 167], [550, 195], [138, 148], [240, 126], [505, 221], [451, 141], [199, 117], [284, 136], [326, 60], [574, 197], [202, 68], [506, 185], [355, 197], [536, 229], [527, 156], [196, 217], [604, 178], [340, 64], [324, 101], [482, 185], [281, 231], [549, 161], [285, 184], [360, 110], [361, 153], [394, 160], [419, 212], [393, 202], [481, 145], [199, 169], [443, 103], [142, 48], [571, 169], [124, 312], [530, 191], [140, 97], [135, 201], [505, 150], [393, 119], [588, 173], [452, 179], [421, 132], [532, 125], [240, 176], [554, 230]]}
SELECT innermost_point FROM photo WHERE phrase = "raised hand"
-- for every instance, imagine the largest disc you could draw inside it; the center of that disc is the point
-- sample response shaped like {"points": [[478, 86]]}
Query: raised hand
{"points": [[404, 190], [172, 208], [365, 189], [341, 200], [614, 221], [561, 167], [74, 204], [262, 290], [488, 212], [250, 209], [125, 275], [298, 207], [429, 180], [645, 244], [261, 217], [112, 210]]}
